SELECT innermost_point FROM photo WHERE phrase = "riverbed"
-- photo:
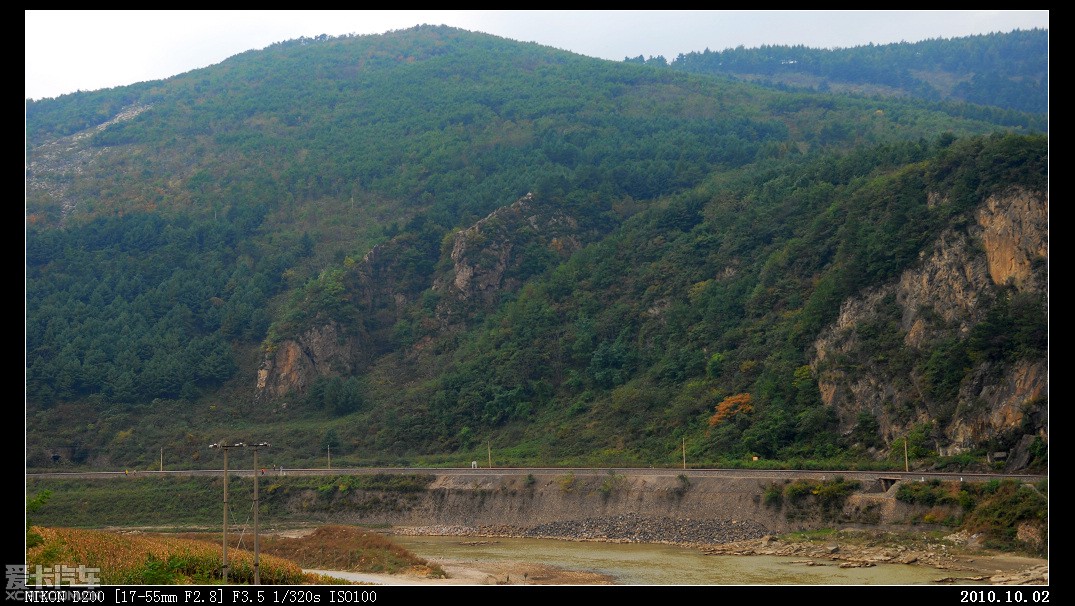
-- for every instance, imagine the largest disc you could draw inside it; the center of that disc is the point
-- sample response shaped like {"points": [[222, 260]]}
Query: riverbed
{"points": [[525, 561]]}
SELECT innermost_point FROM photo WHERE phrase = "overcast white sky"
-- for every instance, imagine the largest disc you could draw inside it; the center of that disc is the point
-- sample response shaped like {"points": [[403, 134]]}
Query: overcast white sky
{"points": [[88, 50]]}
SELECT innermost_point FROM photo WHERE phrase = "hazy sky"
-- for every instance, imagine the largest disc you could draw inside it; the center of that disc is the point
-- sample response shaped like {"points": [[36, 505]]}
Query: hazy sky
{"points": [[88, 50]]}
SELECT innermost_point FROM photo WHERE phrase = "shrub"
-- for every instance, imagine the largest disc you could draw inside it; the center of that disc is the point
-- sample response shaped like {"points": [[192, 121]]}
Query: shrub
{"points": [[610, 484], [1001, 511], [774, 496], [567, 483], [816, 497], [683, 486]]}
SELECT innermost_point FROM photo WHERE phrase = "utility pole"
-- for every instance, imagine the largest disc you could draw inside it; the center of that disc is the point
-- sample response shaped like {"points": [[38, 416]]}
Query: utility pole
{"points": [[329, 446], [489, 453], [906, 461], [257, 543], [684, 452], [224, 542], [162, 458]]}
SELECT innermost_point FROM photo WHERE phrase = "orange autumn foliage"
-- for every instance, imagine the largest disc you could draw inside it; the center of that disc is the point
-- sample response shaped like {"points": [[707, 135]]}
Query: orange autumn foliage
{"points": [[729, 407]]}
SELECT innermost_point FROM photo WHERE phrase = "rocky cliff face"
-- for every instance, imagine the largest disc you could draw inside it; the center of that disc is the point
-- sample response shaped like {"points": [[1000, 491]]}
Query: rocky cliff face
{"points": [[940, 301], [378, 293], [1015, 233], [493, 256], [297, 362]]}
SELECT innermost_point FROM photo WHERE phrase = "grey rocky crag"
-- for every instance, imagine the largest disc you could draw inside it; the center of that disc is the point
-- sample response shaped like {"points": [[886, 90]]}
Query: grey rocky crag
{"points": [[485, 258], [474, 268]]}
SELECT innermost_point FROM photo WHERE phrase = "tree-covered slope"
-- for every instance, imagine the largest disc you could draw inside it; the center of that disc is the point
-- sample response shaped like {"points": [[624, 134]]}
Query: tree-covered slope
{"points": [[419, 116], [403, 245], [1006, 70], [633, 344]]}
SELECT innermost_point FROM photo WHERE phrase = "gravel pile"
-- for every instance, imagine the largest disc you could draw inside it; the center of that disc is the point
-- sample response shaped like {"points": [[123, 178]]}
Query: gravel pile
{"points": [[436, 531], [627, 528], [635, 528]]}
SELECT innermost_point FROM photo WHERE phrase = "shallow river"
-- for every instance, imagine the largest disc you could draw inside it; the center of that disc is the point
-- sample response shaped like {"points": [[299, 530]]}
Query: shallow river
{"points": [[648, 564]]}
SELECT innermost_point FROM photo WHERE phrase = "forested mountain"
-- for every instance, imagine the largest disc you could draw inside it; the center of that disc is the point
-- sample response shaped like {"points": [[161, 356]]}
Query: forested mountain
{"points": [[1008, 70], [413, 245]]}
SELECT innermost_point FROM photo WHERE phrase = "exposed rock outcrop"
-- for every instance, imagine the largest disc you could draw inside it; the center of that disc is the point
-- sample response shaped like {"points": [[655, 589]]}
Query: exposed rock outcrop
{"points": [[950, 284], [496, 254], [1015, 233], [377, 290], [949, 292], [994, 405], [295, 363], [483, 261]]}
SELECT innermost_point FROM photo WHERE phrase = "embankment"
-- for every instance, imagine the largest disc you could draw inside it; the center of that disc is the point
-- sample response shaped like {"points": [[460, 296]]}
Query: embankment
{"points": [[738, 506], [630, 505]]}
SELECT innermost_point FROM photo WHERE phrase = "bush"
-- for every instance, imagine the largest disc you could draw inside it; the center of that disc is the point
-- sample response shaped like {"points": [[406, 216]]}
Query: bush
{"points": [[683, 486], [567, 483], [33, 538], [816, 497], [797, 491], [610, 484], [774, 496], [1001, 511]]}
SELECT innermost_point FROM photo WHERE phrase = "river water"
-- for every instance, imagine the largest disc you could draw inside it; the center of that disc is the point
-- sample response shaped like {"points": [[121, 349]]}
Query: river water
{"points": [[652, 564]]}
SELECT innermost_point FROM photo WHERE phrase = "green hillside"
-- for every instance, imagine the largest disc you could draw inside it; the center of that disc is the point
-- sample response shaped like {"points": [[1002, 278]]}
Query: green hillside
{"points": [[1005, 70], [414, 246]]}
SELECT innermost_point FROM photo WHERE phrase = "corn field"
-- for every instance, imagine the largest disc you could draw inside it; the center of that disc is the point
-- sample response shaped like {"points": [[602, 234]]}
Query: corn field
{"points": [[130, 559]]}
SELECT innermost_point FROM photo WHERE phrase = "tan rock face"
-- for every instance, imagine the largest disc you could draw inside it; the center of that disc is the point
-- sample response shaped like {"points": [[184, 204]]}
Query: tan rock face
{"points": [[944, 296], [296, 363], [837, 388], [1031, 533], [479, 260], [998, 403], [949, 283], [1015, 232], [828, 392]]}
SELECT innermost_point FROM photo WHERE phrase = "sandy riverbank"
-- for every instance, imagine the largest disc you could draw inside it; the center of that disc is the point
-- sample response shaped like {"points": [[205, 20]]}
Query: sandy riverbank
{"points": [[864, 549], [848, 549], [461, 572], [951, 555]]}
